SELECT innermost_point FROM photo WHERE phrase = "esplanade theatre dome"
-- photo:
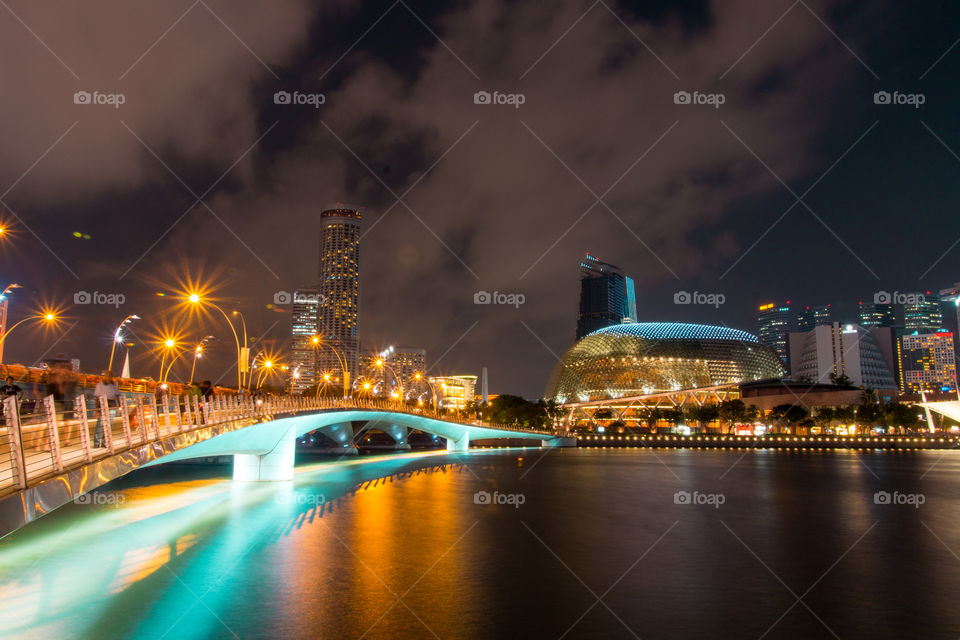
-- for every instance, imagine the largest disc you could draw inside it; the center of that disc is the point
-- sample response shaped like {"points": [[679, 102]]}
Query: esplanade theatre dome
{"points": [[650, 357]]}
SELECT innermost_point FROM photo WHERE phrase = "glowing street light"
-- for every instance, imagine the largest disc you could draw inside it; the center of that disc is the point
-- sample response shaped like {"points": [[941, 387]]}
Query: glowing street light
{"points": [[194, 298], [47, 316], [197, 353], [118, 337]]}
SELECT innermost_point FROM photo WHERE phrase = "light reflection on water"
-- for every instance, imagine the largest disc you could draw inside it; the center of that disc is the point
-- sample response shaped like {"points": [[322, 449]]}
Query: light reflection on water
{"points": [[395, 547]]}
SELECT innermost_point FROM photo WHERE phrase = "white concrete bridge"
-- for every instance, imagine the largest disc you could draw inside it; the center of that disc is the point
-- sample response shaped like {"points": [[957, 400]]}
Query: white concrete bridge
{"points": [[63, 455]]}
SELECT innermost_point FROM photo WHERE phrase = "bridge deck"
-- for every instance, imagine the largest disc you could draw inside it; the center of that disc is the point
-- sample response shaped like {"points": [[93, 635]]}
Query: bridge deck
{"points": [[53, 442]]}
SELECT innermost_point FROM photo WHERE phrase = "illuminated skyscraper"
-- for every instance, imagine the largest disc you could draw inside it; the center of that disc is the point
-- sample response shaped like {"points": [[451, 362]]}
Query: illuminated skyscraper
{"points": [[304, 314], [339, 288], [814, 316], [923, 314], [607, 296], [877, 314], [927, 362], [773, 327]]}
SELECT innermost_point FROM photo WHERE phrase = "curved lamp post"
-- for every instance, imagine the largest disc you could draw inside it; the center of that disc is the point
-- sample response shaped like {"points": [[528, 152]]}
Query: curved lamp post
{"points": [[118, 337]]}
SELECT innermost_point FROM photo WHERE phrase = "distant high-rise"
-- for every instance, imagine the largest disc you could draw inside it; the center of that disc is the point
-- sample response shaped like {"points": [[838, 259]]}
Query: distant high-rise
{"points": [[923, 314], [303, 327], [607, 296], [834, 351], [927, 362], [814, 316], [773, 327], [407, 363], [339, 289], [877, 314]]}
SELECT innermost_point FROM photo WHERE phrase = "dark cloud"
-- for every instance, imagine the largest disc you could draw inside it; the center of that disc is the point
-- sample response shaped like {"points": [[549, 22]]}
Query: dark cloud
{"points": [[503, 208]]}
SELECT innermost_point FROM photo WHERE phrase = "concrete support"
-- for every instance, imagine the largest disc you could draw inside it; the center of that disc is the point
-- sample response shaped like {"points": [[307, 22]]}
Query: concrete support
{"points": [[276, 465], [461, 444], [342, 434], [399, 435], [559, 441]]}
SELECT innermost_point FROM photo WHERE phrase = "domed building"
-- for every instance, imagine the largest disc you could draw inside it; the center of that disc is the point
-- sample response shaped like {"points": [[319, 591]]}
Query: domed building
{"points": [[652, 357]]}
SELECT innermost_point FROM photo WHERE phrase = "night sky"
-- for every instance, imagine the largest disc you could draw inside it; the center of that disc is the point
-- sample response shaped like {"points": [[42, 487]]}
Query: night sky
{"points": [[200, 177]]}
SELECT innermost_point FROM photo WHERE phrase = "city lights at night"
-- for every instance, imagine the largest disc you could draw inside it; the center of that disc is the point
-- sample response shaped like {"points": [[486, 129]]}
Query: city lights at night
{"points": [[484, 319]]}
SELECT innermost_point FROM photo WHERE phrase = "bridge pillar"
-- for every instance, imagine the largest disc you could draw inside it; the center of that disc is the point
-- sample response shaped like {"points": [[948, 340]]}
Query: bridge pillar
{"points": [[399, 435], [559, 441], [460, 444], [276, 465], [342, 434]]}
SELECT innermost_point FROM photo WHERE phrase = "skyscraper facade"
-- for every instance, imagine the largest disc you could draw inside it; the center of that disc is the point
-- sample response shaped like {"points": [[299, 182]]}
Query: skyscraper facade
{"points": [[922, 314], [833, 351], [407, 363], [303, 327], [876, 314], [814, 316], [927, 362], [773, 327], [339, 289], [607, 296]]}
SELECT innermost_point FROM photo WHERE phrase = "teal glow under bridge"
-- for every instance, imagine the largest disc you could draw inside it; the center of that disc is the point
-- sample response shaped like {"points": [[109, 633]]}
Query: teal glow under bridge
{"points": [[70, 453]]}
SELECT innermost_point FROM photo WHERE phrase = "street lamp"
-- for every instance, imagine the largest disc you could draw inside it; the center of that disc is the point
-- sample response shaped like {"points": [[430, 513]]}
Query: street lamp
{"points": [[317, 344], [197, 353], [194, 298], [168, 343], [381, 363], [118, 337], [243, 324], [48, 316], [433, 391]]}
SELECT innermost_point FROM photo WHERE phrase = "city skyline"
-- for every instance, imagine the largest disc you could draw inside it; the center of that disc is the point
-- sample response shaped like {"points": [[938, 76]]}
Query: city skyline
{"points": [[430, 249]]}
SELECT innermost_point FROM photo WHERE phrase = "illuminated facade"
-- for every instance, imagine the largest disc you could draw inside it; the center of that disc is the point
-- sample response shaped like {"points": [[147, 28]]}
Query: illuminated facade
{"points": [[773, 327], [877, 314], [651, 357], [453, 392], [407, 362], [607, 296], [814, 316], [928, 363], [303, 327], [863, 355], [339, 288], [924, 315]]}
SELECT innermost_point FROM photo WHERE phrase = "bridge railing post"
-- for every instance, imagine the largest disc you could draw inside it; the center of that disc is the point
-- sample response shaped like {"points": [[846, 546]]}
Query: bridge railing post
{"points": [[105, 423], [155, 417], [165, 405], [141, 419], [186, 412], [50, 409], [80, 413], [176, 410], [11, 412], [125, 420], [198, 416]]}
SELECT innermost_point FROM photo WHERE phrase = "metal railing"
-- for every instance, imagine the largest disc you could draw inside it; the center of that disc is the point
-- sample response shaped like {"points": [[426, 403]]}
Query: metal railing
{"points": [[61, 436]]}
